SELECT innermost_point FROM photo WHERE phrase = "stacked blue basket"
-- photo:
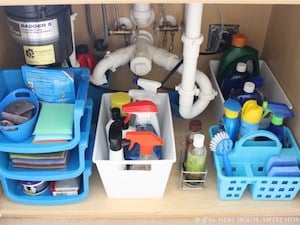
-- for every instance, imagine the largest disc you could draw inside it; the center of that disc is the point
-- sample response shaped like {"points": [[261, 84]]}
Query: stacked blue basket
{"points": [[248, 161], [80, 147]]}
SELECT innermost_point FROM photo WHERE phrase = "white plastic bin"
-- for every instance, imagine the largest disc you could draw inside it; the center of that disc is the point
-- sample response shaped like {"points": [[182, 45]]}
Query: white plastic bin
{"points": [[121, 183], [271, 89]]}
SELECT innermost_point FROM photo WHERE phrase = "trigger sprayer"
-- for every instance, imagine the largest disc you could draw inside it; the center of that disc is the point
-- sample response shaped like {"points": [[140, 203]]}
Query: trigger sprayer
{"points": [[146, 139], [145, 112], [279, 111]]}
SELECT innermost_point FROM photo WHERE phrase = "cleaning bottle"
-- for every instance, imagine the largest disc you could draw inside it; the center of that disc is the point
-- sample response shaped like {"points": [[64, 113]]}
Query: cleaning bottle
{"points": [[118, 99], [145, 112], [146, 140], [194, 128], [246, 93], [115, 141], [251, 115], [279, 112], [235, 80], [230, 122], [237, 52], [195, 159]]}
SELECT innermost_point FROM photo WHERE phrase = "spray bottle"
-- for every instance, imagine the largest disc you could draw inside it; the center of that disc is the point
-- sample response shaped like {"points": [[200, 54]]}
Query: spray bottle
{"points": [[147, 140], [230, 122], [279, 112], [250, 117], [145, 112]]}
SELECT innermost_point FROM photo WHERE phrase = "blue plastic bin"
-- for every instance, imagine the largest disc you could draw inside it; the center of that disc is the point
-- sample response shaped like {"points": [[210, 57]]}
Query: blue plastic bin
{"points": [[76, 158], [80, 164], [248, 160], [21, 132], [11, 79]]}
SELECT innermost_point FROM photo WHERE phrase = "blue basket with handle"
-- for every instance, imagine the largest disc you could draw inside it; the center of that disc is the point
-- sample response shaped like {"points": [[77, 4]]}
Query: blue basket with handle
{"points": [[248, 160], [20, 132]]}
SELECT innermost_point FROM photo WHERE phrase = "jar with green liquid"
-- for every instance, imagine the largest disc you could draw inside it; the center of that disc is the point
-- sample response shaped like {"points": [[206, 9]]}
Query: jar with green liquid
{"points": [[195, 158]]}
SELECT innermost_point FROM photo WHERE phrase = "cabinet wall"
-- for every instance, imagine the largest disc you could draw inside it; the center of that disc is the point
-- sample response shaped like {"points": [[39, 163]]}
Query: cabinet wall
{"points": [[282, 52]]}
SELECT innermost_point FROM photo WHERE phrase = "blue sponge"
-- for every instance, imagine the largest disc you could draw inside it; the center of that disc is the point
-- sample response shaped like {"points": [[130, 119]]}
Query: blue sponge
{"points": [[281, 161], [285, 171]]}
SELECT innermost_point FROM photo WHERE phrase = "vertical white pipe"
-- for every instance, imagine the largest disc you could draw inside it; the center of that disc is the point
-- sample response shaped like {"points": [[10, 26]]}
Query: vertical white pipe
{"points": [[193, 18], [72, 57], [142, 7], [192, 40]]}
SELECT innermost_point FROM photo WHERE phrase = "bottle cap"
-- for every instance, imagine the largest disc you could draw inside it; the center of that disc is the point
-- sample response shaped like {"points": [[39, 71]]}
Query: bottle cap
{"points": [[119, 99], [241, 67], [239, 40], [252, 112], [195, 125], [249, 87], [198, 141], [232, 108]]}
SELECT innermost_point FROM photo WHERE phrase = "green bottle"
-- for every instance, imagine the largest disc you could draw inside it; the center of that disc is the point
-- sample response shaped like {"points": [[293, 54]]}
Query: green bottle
{"points": [[195, 158], [237, 52]]}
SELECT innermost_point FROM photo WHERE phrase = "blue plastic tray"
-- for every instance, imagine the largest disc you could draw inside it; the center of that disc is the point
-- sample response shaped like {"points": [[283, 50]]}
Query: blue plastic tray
{"points": [[75, 162], [248, 159], [14, 191], [11, 79]]}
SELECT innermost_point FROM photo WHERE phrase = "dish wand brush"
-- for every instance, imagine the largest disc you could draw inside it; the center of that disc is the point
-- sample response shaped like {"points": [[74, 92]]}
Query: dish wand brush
{"points": [[222, 144]]}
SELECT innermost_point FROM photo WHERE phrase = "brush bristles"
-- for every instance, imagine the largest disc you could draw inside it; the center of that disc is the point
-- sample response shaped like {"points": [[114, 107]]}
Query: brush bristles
{"points": [[218, 137]]}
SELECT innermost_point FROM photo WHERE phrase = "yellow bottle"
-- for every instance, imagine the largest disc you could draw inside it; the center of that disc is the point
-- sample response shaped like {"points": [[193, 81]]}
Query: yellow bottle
{"points": [[251, 115]]}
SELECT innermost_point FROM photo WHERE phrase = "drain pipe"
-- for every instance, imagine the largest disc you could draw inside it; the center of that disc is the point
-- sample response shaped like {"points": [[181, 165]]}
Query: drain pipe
{"points": [[192, 40], [111, 61]]}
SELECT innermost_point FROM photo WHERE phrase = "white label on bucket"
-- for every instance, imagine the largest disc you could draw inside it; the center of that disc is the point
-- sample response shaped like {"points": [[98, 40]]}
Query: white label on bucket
{"points": [[38, 32]]}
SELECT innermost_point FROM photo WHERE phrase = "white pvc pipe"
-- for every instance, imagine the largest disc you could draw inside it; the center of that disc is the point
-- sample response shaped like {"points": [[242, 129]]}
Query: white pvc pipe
{"points": [[72, 57], [192, 40], [206, 93], [111, 61], [142, 14]]}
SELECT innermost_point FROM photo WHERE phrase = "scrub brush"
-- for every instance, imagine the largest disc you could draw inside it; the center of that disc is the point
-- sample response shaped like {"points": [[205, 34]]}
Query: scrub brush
{"points": [[222, 144]]}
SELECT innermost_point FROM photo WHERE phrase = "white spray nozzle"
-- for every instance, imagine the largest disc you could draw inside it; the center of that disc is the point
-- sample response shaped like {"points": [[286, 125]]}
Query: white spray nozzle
{"points": [[148, 85]]}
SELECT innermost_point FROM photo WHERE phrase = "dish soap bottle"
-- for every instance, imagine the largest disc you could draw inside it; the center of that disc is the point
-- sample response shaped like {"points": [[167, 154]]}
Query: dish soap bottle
{"points": [[237, 52], [196, 157], [194, 128]]}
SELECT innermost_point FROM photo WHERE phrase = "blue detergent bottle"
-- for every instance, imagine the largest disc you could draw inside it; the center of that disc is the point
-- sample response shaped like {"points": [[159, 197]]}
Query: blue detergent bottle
{"points": [[235, 80], [246, 93], [230, 122], [279, 111]]}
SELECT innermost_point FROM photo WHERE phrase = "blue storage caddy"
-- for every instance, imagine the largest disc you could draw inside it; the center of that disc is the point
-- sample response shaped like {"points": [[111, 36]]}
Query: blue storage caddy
{"points": [[13, 190], [248, 159], [11, 79], [75, 161]]}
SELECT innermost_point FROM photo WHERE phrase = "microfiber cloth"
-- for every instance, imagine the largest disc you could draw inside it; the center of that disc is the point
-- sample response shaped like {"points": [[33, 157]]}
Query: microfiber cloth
{"points": [[55, 122]]}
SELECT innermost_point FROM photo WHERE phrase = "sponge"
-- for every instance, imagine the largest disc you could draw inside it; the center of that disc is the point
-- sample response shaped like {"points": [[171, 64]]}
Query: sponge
{"points": [[281, 161], [285, 171]]}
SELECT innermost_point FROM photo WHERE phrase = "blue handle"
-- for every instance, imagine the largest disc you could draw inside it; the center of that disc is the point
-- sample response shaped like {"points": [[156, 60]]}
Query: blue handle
{"points": [[259, 133], [227, 166]]}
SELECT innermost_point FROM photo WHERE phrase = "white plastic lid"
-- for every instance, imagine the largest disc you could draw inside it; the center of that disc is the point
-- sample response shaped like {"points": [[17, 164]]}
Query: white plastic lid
{"points": [[198, 141], [249, 87], [241, 67]]}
